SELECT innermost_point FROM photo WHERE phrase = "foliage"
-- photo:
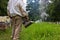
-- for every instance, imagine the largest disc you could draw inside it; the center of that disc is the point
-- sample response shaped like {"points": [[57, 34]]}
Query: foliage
{"points": [[33, 8], [53, 10], [3, 7]]}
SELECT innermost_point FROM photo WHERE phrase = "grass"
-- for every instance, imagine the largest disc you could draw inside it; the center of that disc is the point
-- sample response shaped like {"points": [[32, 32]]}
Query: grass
{"points": [[36, 31]]}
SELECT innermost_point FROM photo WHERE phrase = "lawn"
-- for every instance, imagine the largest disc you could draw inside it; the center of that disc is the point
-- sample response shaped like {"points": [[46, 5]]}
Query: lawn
{"points": [[36, 31]]}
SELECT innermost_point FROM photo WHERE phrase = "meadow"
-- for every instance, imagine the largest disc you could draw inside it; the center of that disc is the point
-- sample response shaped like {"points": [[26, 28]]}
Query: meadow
{"points": [[36, 31]]}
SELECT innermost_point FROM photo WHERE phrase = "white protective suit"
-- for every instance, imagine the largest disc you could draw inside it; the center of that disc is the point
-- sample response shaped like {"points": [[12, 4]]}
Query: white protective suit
{"points": [[13, 9]]}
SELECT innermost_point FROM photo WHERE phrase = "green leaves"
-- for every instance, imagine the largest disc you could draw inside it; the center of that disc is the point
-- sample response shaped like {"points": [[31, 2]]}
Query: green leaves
{"points": [[3, 7], [33, 9], [53, 10]]}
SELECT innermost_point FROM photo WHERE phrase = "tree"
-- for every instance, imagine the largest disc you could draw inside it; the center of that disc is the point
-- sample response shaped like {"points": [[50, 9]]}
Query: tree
{"points": [[3, 7], [33, 8], [53, 10]]}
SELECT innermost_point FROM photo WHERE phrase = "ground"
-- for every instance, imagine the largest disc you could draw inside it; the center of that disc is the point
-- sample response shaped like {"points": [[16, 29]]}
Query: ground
{"points": [[36, 31]]}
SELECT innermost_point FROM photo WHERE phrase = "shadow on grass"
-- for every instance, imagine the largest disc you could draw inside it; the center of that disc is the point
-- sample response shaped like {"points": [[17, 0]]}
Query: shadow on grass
{"points": [[2, 32]]}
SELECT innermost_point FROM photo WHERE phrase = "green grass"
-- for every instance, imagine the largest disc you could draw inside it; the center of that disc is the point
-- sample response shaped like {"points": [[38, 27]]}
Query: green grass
{"points": [[37, 31]]}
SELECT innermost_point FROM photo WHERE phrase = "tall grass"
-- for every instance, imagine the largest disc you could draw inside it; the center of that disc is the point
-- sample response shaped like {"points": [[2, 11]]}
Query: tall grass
{"points": [[41, 31], [36, 31]]}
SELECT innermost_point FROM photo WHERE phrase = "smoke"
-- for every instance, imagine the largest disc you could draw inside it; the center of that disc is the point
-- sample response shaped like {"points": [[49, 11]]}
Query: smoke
{"points": [[43, 6]]}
